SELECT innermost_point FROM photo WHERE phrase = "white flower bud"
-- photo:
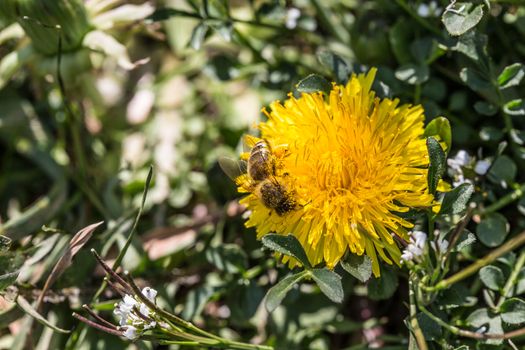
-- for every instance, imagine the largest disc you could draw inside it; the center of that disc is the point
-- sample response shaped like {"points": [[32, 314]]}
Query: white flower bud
{"points": [[482, 166], [130, 332]]}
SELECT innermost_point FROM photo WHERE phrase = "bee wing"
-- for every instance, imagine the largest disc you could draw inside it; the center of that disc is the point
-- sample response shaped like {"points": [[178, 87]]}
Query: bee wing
{"points": [[233, 168], [248, 142]]}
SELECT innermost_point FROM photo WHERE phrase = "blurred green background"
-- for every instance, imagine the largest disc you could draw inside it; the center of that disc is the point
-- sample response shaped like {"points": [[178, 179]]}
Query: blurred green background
{"points": [[86, 108]]}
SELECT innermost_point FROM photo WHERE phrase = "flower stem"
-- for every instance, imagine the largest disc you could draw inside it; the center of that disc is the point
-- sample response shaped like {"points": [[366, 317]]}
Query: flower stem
{"points": [[512, 278], [416, 330], [505, 200], [473, 268], [470, 334]]}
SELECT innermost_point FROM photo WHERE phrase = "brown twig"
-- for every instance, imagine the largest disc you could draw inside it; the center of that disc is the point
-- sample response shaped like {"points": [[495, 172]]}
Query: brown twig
{"points": [[98, 318], [97, 325], [112, 273]]}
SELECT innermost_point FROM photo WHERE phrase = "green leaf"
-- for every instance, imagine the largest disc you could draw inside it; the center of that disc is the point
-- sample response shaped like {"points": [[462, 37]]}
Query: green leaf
{"points": [[490, 322], [520, 282], [513, 311], [412, 73], [8, 279], [490, 134], [276, 294], [10, 264], [437, 166], [472, 45], [5, 243], [461, 17], [225, 30], [227, 257], [440, 127], [383, 287], [455, 202], [330, 283], [431, 330], [511, 75], [198, 35], [492, 230], [287, 245], [338, 66], [515, 107], [492, 277], [475, 80], [400, 35], [196, 300], [358, 266], [314, 83], [24, 305], [456, 296], [503, 171], [485, 108]]}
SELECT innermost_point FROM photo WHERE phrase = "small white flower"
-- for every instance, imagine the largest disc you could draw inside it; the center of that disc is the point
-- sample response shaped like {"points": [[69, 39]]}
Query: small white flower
{"points": [[132, 313], [461, 159], [150, 325], [149, 293], [440, 246], [420, 237], [428, 10], [124, 308], [292, 15], [130, 332], [416, 247], [456, 165], [407, 255], [482, 166], [143, 309]]}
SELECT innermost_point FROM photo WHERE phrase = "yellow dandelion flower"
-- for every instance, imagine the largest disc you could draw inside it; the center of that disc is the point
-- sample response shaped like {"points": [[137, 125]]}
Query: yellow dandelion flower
{"points": [[345, 166]]}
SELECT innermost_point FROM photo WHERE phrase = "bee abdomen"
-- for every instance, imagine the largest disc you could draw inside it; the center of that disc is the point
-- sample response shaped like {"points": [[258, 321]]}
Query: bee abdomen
{"points": [[259, 163], [274, 196]]}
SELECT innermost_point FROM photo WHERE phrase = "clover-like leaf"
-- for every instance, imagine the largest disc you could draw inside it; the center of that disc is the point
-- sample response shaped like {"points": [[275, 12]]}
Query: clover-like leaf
{"points": [[492, 277], [314, 83], [276, 294], [440, 127], [330, 284], [338, 66], [461, 17], [287, 245], [358, 266], [493, 229], [513, 311], [515, 107], [511, 75], [383, 287]]}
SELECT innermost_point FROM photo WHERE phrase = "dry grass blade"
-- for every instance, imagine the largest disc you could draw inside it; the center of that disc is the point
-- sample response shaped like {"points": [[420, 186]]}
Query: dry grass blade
{"points": [[76, 243], [26, 306]]}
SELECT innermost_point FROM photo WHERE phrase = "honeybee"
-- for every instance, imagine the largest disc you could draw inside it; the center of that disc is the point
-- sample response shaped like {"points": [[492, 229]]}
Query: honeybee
{"points": [[260, 170]]}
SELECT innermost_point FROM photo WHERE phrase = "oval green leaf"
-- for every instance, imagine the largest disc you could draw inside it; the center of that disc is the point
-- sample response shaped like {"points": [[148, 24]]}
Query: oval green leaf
{"points": [[461, 17], [511, 75], [330, 284], [276, 294], [492, 277], [358, 266], [287, 245], [440, 127], [314, 83], [492, 230], [513, 311]]}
